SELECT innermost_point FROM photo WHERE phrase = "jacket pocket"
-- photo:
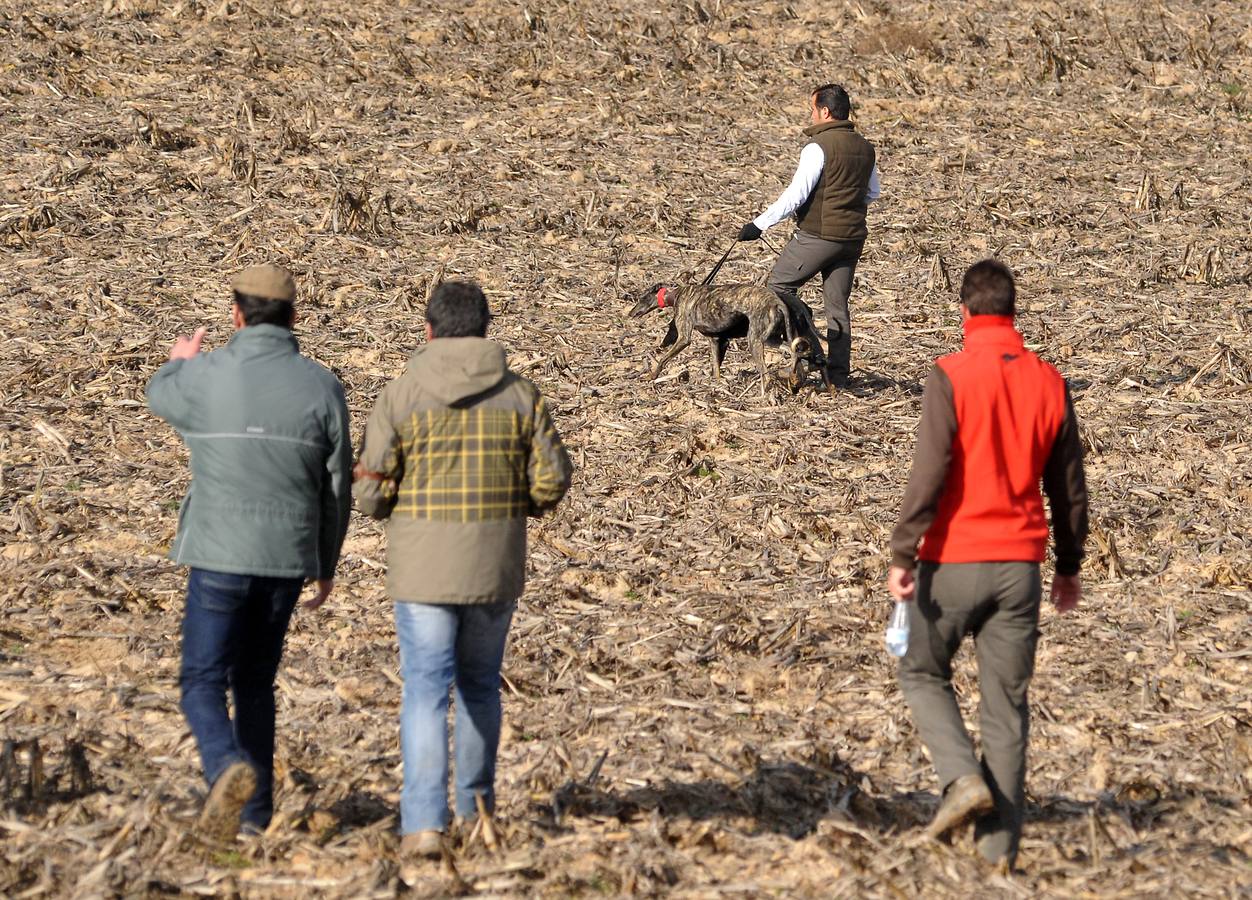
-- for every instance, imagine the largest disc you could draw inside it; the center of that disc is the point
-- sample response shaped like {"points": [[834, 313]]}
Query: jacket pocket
{"points": [[220, 592]]}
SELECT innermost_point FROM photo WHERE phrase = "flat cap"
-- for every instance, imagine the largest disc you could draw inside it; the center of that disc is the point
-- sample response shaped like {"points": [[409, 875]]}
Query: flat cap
{"points": [[269, 282]]}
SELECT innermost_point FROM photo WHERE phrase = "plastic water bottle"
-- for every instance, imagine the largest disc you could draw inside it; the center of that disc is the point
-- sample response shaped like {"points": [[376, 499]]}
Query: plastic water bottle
{"points": [[898, 630]]}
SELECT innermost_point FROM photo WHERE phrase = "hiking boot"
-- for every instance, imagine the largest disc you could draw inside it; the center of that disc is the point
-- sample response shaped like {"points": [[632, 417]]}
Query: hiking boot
{"points": [[427, 868], [219, 820], [836, 378], [426, 844], [967, 796], [838, 357], [995, 844]]}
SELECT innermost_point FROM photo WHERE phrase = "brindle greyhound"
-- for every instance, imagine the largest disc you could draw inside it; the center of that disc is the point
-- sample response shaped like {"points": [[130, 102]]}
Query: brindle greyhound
{"points": [[721, 313]]}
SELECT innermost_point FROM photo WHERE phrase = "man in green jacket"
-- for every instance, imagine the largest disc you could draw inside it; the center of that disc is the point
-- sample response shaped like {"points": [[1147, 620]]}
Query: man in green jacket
{"points": [[458, 452], [268, 507]]}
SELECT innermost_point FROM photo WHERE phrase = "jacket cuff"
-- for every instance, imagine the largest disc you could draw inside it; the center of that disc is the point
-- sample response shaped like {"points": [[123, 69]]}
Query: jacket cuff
{"points": [[903, 560], [371, 500], [1068, 565]]}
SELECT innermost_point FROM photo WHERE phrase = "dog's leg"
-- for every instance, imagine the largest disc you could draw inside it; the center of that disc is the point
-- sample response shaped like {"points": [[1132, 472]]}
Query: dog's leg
{"points": [[797, 346], [756, 340], [716, 350], [682, 338], [673, 351], [670, 336], [722, 344]]}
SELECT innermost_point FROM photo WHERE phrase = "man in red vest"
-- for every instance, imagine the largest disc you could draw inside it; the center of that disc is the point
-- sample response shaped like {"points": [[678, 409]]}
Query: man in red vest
{"points": [[995, 420]]}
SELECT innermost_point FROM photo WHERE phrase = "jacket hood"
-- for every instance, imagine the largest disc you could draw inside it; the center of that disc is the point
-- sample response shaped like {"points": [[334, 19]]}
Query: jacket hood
{"points": [[453, 369]]}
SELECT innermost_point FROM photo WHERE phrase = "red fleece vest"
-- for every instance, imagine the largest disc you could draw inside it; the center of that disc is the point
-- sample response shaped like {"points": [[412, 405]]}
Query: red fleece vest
{"points": [[1009, 406]]}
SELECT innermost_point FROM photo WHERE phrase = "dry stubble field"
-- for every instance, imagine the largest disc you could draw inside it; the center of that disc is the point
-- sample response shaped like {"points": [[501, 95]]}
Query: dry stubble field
{"points": [[698, 701]]}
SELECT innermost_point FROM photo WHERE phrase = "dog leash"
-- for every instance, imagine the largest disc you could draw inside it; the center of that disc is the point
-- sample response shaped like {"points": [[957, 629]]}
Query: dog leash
{"points": [[717, 268], [725, 256]]}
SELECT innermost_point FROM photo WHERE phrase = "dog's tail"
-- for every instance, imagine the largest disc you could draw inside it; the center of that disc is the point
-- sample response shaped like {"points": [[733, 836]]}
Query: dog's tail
{"points": [[798, 344], [786, 314]]}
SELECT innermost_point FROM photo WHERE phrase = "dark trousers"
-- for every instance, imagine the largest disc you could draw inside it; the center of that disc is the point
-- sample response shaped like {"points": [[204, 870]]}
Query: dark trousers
{"points": [[233, 631], [804, 256], [998, 604]]}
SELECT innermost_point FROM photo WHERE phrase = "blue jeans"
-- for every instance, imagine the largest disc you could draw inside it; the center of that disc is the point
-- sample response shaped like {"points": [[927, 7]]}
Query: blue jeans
{"points": [[440, 645], [233, 631]]}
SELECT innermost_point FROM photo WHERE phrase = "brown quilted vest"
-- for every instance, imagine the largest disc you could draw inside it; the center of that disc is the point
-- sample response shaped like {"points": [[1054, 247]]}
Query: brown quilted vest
{"points": [[835, 211]]}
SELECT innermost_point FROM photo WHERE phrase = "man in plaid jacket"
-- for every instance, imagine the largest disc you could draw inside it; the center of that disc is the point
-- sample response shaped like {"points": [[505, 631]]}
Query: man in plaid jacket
{"points": [[458, 452]]}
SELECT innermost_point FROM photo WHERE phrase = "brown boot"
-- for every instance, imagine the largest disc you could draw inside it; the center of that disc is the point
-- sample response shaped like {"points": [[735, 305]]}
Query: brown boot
{"points": [[427, 867], [425, 844], [219, 821], [966, 797]]}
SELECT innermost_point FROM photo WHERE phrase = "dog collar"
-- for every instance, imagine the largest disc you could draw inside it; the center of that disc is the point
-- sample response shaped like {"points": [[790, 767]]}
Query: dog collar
{"points": [[660, 299]]}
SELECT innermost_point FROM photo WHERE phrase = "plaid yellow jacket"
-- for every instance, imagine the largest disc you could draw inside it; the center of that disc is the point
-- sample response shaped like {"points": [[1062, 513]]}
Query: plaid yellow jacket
{"points": [[459, 451], [474, 464]]}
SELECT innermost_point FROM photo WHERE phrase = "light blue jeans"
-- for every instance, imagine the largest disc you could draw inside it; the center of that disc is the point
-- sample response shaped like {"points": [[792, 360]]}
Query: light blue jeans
{"points": [[442, 646]]}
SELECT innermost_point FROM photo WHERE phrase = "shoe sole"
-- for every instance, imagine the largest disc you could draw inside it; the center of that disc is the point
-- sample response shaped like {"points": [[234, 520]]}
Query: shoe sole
{"points": [[219, 822], [957, 814]]}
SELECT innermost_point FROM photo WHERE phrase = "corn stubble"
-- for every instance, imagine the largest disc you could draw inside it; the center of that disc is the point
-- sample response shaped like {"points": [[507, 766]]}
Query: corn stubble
{"points": [[697, 699]]}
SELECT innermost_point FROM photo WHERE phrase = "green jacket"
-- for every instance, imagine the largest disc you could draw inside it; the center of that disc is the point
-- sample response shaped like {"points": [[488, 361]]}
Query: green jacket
{"points": [[460, 451], [271, 459]]}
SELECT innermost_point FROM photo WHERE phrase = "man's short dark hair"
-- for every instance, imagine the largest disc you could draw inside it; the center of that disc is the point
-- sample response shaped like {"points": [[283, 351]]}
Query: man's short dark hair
{"points": [[264, 311], [458, 309], [834, 98], [988, 290]]}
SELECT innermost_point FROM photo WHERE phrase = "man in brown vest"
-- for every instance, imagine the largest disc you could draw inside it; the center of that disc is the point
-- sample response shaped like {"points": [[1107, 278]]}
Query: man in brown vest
{"points": [[836, 179]]}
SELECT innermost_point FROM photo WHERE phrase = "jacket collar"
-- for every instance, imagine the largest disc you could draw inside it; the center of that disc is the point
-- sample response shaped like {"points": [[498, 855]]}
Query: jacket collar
{"points": [[264, 336], [983, 331], [815, 130]]}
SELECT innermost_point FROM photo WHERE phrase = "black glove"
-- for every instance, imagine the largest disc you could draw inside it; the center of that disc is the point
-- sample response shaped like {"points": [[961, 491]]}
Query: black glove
{"points": [[749, 232]]}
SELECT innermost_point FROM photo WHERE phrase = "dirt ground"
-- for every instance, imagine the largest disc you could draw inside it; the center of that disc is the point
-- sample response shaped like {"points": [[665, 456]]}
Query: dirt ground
{"points": [[698, 701]]}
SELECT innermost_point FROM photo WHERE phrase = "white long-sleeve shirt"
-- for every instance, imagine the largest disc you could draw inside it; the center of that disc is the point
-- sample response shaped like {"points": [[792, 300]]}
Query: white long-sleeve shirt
{"points": [[812, 162]]}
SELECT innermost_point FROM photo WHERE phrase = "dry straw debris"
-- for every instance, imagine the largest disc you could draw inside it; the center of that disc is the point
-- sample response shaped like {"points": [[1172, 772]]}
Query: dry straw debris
{"points": [[698, 703]]}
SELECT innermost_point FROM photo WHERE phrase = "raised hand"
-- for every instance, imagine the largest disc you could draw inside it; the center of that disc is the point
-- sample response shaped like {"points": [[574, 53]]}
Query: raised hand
{"points": [[188, 347]]}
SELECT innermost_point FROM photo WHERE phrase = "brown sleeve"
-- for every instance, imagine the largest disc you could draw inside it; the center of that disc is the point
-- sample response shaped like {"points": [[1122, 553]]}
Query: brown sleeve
{"points": [[549, 469], [935, 432], [1066, 486], [381, 465]]}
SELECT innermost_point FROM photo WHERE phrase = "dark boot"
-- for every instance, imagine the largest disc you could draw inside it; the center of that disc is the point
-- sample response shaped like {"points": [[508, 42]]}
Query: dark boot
{"points": [[996, 844], [838, 357]]}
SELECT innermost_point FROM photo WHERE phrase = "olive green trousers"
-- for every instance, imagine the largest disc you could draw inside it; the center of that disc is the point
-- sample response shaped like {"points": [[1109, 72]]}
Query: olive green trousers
{"points": [[997, 603]]}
